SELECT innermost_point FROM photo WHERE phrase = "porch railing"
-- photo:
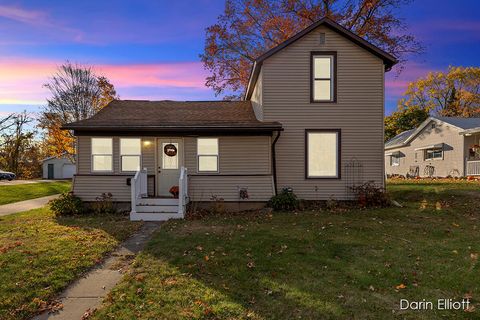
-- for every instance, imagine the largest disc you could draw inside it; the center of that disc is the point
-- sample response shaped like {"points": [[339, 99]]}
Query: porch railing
{"points": [[473, 168], [138, 186], [183, 190]]}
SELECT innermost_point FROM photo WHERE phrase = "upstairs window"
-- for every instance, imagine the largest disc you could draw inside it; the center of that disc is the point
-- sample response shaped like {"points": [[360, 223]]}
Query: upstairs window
{"points": [[102, 154], [207, 153], [434, 154], [130, 154], [323, 77]]}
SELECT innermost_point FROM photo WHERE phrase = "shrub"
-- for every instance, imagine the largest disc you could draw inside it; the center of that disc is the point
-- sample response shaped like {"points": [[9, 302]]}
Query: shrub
{"points": [[371, 195], [104, 204], [66, 205], [218, 206], [286, 200]]}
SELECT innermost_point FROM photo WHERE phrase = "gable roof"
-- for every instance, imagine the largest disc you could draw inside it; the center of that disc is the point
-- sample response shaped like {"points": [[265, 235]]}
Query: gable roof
{"points": [[399, 138], [388, 59], [464, 125], [172, 116]]}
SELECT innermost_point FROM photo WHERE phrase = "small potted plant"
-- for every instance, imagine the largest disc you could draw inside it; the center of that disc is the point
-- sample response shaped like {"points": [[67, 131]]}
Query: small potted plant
{"points": [[174, 191]]}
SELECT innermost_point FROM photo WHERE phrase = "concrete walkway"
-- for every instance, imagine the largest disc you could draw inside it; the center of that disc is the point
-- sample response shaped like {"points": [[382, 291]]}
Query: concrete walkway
{"points": [[87, 293], [26, 205]]}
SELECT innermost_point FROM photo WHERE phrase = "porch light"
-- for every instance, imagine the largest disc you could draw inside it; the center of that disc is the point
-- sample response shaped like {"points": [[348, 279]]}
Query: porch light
{"points": [[147, 143]]}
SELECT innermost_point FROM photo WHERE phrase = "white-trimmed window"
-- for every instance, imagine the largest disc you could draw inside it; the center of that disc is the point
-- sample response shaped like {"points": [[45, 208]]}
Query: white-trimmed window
{"points": [[207, 154], [323, 73], [434, 154], [395, 160], [323, 154], [102, 154], [130, 154]]}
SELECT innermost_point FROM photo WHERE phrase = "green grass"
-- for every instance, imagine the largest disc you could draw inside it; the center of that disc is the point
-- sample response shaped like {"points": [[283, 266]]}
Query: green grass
{"points": [[344, 264], [40, 255], [20, 192]]}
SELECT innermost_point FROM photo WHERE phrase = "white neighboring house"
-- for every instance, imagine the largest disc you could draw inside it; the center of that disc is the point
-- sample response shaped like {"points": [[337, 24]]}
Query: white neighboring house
{"points": [[58, 168], [439, 147]]}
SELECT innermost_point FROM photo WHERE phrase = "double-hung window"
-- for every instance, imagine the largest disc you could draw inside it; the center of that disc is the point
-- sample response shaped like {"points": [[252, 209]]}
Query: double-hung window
{"points": [[130, 154], [207, 153], [322, 154], [394, 160], [102, 154], [434, 154], [323, 77]]}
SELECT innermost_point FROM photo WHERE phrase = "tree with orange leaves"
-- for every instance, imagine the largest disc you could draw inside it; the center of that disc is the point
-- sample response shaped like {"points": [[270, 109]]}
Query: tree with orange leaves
{"points": [[248, 28], [77, 93]]}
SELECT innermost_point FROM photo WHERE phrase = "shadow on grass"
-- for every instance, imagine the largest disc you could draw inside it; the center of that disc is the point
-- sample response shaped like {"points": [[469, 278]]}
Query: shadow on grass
{"points": [[118, 225]]}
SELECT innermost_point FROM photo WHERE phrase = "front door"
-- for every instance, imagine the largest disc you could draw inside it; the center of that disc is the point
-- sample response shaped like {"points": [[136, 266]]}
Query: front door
{"points": [[50, 171], [169, 163]]}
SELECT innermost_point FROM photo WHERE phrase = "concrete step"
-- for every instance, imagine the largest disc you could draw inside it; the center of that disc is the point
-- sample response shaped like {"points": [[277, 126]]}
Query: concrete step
{"points": [[157, 201], [150, 216], [156, 208]]}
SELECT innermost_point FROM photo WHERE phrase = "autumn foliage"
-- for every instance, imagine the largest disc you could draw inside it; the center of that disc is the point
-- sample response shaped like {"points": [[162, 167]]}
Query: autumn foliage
{"points": [[455, 93], [77, 93], [248, 28]]}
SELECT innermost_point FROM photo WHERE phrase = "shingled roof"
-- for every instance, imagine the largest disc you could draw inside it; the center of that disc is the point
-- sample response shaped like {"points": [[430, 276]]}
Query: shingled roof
{"points": [[142, 115]]}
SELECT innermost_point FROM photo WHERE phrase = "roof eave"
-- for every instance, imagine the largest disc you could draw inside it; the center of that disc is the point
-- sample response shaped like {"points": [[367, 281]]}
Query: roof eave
{"points": [[176, 129]]}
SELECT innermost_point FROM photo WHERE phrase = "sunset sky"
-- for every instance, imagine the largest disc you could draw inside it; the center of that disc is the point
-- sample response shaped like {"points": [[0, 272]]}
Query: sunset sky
{"points": [[150, 49]]}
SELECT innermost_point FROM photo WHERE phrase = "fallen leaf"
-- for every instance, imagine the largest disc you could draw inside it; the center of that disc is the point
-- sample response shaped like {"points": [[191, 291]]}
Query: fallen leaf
{"points": [[400, 286]]}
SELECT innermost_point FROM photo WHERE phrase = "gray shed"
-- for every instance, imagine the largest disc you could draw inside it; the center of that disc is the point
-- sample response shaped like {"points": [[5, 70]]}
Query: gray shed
{"points": [[58, 168]]}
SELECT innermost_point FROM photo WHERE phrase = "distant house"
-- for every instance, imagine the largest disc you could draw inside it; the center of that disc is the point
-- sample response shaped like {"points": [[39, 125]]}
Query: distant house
{"points": [[58, 168], [439, 147], [311, 120]]}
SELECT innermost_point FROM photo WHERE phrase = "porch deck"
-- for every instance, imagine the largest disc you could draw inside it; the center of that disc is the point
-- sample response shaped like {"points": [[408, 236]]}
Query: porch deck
{"points": [[473, 167], [157, 208]]}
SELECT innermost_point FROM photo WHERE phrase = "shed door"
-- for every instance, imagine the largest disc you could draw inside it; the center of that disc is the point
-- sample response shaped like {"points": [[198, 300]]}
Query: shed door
{"points": [[50, 171]]}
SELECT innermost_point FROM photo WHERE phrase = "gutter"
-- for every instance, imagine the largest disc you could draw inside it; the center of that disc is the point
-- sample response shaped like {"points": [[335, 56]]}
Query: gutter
{"points": [[274, 161]]}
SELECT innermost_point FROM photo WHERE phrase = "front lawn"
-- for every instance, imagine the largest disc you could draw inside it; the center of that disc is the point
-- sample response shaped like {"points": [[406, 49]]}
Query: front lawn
{"points": [[40, 255], [312, 265], [20, 192]]}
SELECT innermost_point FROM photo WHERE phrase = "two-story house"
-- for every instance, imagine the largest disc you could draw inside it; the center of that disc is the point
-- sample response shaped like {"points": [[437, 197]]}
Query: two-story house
{"points": [[311, 120]]}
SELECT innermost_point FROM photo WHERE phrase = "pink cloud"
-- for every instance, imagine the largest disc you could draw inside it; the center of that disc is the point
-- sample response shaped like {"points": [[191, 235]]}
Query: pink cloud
{"points": [[23, 15], [395, 85], [22, 80], [447, 31]]}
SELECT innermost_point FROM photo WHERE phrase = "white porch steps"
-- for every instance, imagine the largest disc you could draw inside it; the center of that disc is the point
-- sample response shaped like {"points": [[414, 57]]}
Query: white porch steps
{"points": [[155, 209]]}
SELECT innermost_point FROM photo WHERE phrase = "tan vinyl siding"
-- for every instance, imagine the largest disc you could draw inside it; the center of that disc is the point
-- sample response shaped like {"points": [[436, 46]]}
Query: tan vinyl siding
{"points": [[237, 155], [358, 112], [83, 154], [148, 154], [244, 159], [453, 155], [202, 188], [92, 186], [257, 97]]}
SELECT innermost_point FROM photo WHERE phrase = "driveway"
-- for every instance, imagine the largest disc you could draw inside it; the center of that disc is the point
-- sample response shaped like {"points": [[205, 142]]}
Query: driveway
{"points": [[26, 205]]}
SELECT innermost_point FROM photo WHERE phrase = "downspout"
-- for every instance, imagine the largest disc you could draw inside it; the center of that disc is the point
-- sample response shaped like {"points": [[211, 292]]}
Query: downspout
{"points": [[274, 162]]}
